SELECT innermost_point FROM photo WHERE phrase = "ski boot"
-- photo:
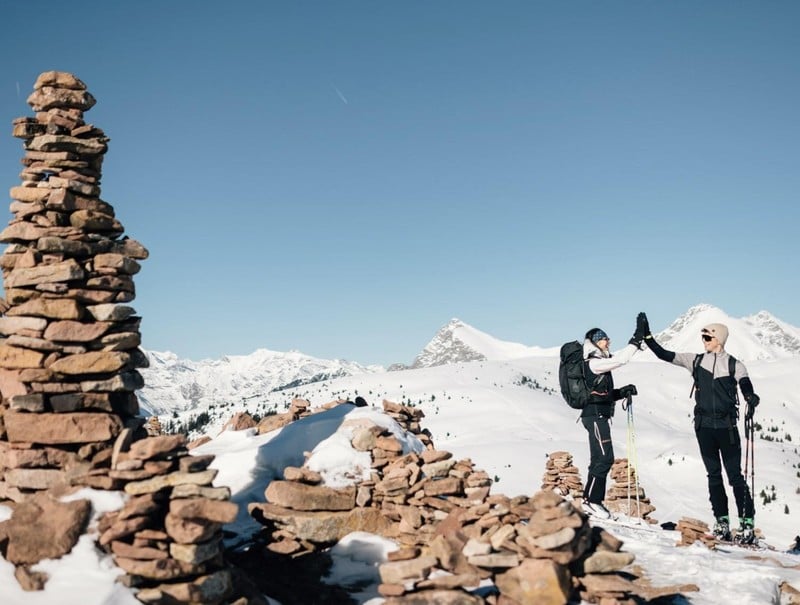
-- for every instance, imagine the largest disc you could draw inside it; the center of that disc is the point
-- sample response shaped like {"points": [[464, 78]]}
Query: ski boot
{"points": [[596, 510], [722, 529], [745, 534]]}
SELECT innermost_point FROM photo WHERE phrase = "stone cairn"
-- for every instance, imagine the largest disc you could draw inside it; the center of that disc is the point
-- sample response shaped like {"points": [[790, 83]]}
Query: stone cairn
{"points": [[168, 535], [562, 476], [70, 351], [693, 530], [69, 354], [621, 496], [451, 531]]}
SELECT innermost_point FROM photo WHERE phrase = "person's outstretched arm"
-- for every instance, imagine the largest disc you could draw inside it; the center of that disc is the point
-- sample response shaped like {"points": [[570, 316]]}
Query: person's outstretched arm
{"points": [[657, 349]]}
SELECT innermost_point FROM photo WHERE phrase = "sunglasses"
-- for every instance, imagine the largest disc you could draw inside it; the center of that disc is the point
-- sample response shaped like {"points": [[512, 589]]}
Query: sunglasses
{"points": [[707, 337]]}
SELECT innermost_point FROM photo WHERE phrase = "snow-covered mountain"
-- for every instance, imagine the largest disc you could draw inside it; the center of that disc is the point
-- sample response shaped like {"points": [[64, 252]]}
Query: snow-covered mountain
{"points": [[459, 342], [173, 384], [759, 336]]}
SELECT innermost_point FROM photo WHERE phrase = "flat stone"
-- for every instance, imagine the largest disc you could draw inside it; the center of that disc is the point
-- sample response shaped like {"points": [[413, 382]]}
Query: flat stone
{"points": [[538, 581], [399, 572], [124, 527], [44, 528], [61, 428], [162, 569], [300, 496], [212, 588], [16, 325], [75, 331], [190, 531], [52, 308], [38, 344], [31, 402], [323, 527], [58, 79], [119, 262], [158, 483], [606, 561], [58, 272], [35, 478], [196, 553], [19, 358], [150, 447], [126, 381], [202, 508], [59, 245], [142, 553], [495, 560], [94, 362], [111, 312]]}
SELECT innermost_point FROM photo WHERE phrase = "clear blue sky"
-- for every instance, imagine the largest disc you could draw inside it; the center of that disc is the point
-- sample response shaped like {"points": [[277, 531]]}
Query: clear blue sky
{"points": [[343, 178]]}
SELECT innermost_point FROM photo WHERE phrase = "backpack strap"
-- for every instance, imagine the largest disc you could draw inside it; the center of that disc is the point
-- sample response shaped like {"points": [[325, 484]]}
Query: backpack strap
{"points": [[696, 364], [732, 372]]}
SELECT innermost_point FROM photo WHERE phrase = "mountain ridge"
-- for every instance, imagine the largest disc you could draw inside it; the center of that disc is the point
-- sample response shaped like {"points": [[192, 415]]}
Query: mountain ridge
{"points": [[173, 384]]}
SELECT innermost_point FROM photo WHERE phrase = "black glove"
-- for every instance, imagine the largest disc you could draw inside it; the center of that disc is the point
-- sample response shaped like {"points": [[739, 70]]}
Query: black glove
{"points": [[642, 330], [752, 402], [642, 325], [628, 389]]}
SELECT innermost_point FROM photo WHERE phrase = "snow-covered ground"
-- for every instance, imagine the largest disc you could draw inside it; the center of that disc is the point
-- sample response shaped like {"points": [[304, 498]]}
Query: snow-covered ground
{"points": [[506, 415]]}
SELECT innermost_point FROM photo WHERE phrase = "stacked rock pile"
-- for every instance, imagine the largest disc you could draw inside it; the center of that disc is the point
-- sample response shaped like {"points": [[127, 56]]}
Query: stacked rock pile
{"points": [[70, 345], [297, 409], [409, 418], [626, 495], [562, 476], [68, 371], [451, 531], [168, 535], [693, 530]]}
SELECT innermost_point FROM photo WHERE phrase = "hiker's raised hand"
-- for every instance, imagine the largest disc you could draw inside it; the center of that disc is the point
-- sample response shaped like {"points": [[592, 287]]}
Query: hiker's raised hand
{"points": [[642, 325]]}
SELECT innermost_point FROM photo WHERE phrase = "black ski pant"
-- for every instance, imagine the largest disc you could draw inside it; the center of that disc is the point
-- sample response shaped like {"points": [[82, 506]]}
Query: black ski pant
{"points": [[723, 447], [601, 457]]}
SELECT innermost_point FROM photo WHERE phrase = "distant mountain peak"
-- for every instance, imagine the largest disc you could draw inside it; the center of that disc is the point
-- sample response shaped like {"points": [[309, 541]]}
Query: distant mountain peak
{"points": [[448, 346], [459, 342], [759, 336]]}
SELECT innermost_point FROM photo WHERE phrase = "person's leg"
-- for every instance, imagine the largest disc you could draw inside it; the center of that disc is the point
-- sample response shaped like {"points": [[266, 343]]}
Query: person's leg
{"points": [[601, 453], [731, 450], [707, 439]]}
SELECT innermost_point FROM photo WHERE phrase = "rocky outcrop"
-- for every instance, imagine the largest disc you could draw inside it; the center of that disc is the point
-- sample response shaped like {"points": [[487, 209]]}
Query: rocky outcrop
{"points": [[452, 533]]}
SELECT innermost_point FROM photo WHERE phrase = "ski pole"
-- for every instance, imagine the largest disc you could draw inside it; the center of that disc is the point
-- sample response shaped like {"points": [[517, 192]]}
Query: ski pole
{"points": [[632, 457], [749, 454]]}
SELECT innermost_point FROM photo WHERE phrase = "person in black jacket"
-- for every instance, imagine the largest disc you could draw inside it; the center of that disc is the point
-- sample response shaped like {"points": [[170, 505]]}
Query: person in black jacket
{"points": [[716, 375], [596, 416]]}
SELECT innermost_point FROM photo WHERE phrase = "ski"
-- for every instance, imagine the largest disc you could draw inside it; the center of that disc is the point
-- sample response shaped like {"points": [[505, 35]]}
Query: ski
{"points": [[759, 544]]}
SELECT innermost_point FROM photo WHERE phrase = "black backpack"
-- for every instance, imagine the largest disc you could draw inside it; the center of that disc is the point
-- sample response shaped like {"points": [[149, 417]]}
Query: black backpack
{"points": [[571, 375]]}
